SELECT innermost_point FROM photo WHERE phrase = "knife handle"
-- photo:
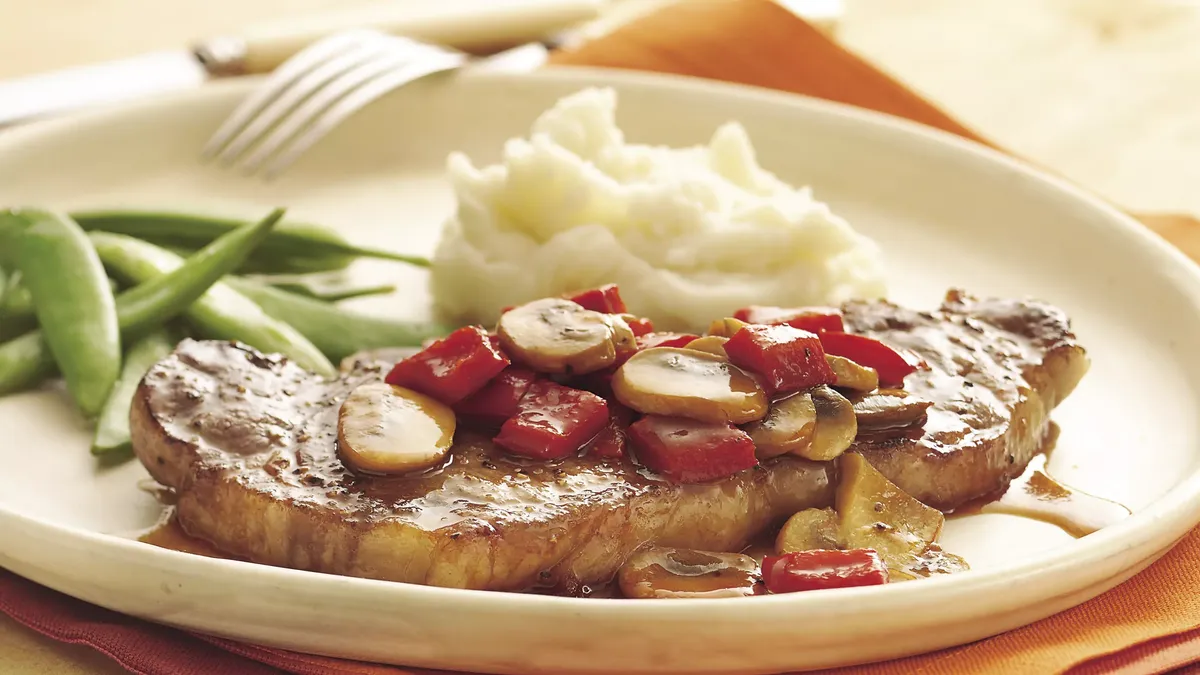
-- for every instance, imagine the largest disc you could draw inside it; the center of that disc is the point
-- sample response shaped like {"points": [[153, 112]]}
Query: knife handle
{"points": [[476, 26]]}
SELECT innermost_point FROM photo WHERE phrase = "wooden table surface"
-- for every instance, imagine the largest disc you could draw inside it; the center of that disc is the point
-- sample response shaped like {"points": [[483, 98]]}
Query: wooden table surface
{"points": [[1106, 92]]}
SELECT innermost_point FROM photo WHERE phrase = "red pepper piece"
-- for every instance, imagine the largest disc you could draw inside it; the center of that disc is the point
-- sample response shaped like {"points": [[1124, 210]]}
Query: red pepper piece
{"points": [[452, 368], [687, 451], [664, 340], [817, 569], [812, 319], [554, 421], [606, 299], [893, 364], [499, 399], [611, 441], [787, 358], [639, 325]]}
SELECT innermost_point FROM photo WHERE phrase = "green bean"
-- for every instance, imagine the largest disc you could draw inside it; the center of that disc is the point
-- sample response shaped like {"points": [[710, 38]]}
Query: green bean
{"points": [[12, 224], [328, 287], [16, 311], [74, 305], [26, 360], [337, 332], [112, 429], [222, 313], [299, 247]]}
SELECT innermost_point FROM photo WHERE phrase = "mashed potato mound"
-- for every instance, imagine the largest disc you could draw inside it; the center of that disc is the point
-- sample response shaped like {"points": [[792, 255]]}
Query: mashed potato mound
{"points": [[689, 234]]}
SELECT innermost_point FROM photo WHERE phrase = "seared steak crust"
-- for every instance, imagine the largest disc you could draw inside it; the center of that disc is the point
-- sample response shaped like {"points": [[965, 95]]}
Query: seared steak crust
{"points": [[248, 441], [996, 370]]}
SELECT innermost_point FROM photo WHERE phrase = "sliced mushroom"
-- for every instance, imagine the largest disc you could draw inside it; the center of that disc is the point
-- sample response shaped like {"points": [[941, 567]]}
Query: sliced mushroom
{"points": [[725, 327], [387, 429], [807, 530], [851, 375], [553, 335], [710, 344], [788, 427], [687, 383], [836, 426], [889, 409], [684, 573], [875, 513]]}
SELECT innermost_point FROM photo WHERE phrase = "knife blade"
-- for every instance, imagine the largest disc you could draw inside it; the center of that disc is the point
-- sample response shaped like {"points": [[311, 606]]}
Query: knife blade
{"points": [[476, 26]]}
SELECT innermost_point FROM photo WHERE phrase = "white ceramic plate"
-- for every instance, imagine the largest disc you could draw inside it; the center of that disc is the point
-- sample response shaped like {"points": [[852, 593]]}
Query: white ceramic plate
{"points": [[948, 213]]}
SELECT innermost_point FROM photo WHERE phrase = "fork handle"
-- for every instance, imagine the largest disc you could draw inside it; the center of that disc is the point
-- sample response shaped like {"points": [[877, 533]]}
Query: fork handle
{"points": [[476, 26]]}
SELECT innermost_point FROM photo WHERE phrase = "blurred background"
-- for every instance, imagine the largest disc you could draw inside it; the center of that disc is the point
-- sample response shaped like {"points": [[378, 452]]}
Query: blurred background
{"points": [[1106, 92]]}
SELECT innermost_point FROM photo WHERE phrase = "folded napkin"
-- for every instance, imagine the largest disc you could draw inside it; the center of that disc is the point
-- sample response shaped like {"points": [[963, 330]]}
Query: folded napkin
{"points": [[1150, 624]]}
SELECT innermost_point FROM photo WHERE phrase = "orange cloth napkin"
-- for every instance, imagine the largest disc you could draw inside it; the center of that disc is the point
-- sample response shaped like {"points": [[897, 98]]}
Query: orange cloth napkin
{"points": [[1150, 624]]}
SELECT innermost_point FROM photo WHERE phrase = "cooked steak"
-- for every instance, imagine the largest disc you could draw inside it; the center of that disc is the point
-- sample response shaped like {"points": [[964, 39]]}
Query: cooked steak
{"points": [[996, 370], [248, 443]]}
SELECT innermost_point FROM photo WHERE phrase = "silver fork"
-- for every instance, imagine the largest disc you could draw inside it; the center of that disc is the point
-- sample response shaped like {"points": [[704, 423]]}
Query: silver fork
{"points": [[317, 89]]}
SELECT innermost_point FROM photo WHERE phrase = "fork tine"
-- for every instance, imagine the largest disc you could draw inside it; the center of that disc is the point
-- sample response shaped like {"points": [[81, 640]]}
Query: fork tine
{"points": [[291, 96], [357, 99], [319, 101], [307, 59]]}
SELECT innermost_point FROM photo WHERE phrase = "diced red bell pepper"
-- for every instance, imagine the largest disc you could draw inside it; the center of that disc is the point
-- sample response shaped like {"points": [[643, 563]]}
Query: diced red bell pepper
{"points": [[610, 442], [554, 421], [687, 451], [664, 340], [606, 299], [639, 325], [499, 399], [452, 368], [818, 569], [812, 319], [657, 340], [787, 358], [892, 363]]}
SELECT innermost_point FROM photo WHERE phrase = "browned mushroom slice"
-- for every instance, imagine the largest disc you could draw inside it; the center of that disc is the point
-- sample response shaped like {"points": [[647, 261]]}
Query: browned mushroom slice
{"points": [[553, 335], [711, 344], [876, 514], [807, 530], [725, 327], [889, 409], [387, 429], [836, 426], [687, 383], [788, 427], [851, 375], [684, 573]]}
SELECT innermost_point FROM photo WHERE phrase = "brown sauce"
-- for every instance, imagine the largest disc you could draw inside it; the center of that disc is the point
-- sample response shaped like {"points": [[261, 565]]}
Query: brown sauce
{"points": [[168, 533], [1036, 495]]}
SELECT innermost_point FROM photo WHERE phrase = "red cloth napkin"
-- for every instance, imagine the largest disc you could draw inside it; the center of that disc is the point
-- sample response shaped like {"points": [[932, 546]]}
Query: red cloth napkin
{"points": [[1140, 628]]}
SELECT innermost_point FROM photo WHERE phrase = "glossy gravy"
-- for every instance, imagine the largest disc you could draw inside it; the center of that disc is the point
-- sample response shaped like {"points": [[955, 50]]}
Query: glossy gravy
{"points": [[1035, 495]]}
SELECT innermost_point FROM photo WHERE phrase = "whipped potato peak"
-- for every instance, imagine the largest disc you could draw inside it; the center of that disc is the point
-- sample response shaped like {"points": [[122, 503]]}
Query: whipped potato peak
{"points": [[687, 233]]}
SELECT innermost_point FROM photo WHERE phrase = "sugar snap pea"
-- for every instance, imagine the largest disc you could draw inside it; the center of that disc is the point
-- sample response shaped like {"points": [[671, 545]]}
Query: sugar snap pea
{"points": [[16, 310], [26, 360], [292, 247], [335, 331], [74, 305], [222, 313], [330, 287], [112, 428]]}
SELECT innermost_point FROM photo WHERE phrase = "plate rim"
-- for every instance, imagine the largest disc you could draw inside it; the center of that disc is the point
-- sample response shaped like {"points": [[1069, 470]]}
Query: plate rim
{"points": [[1163, 522]]}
